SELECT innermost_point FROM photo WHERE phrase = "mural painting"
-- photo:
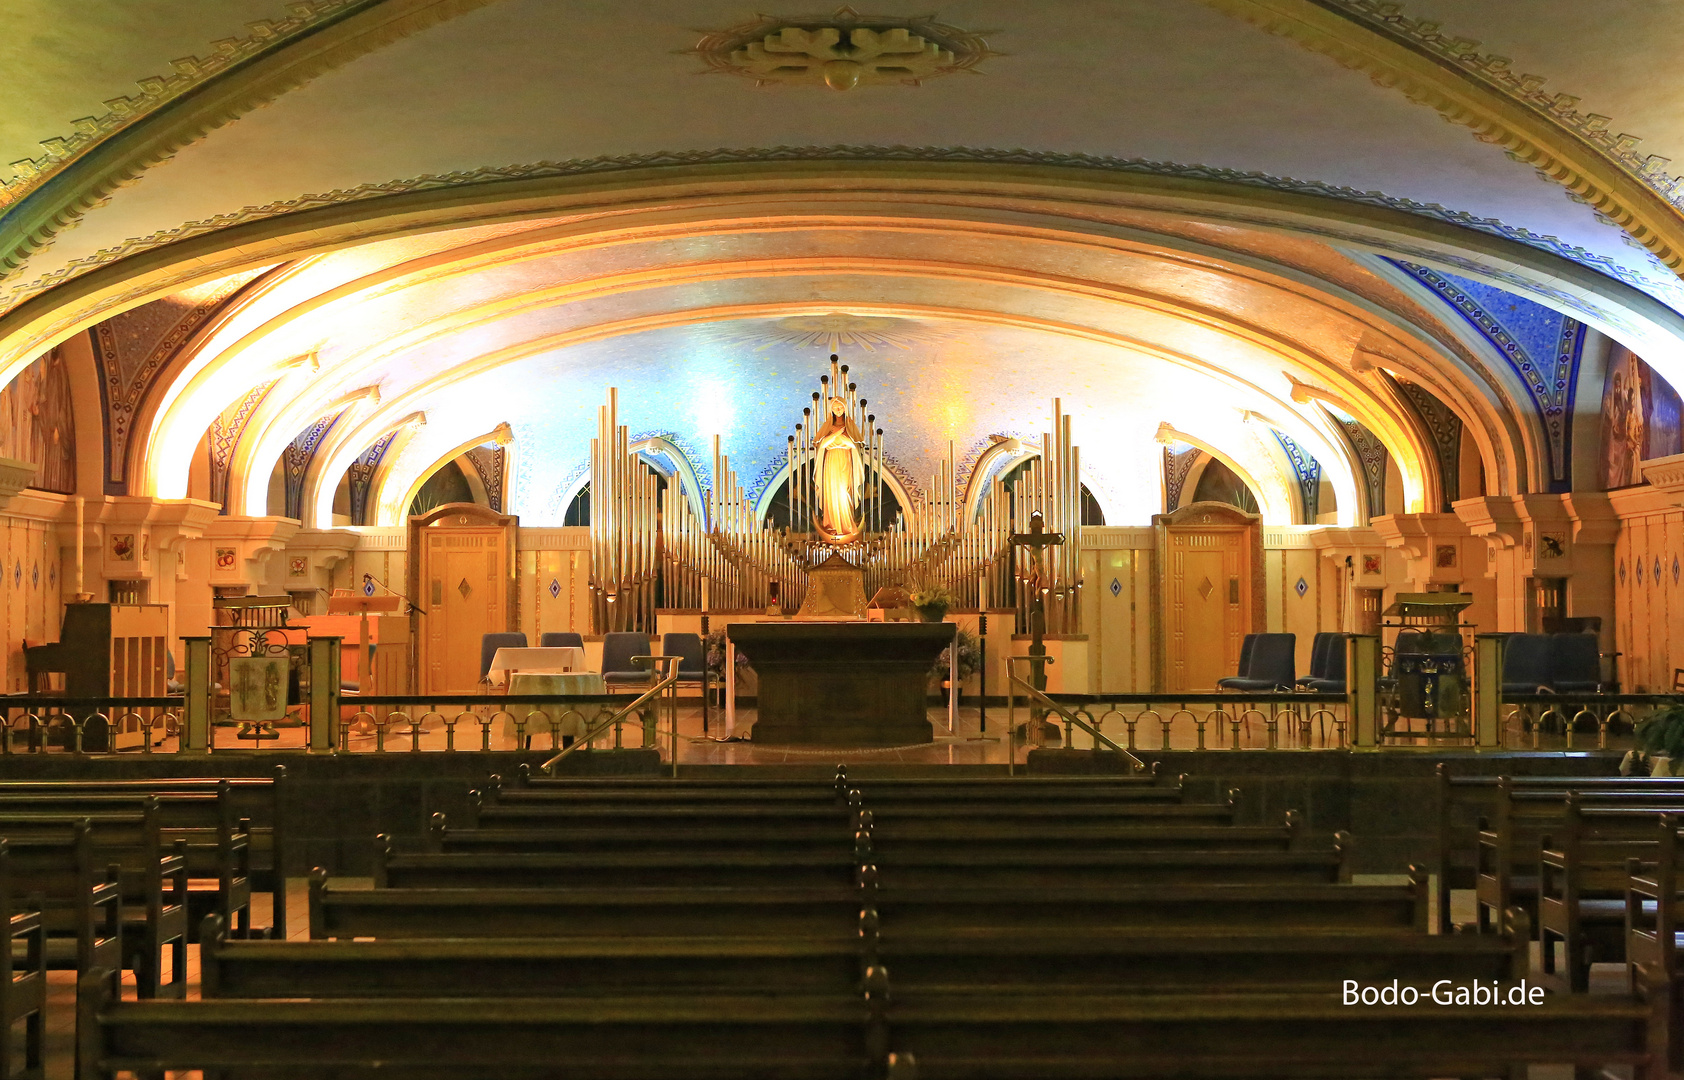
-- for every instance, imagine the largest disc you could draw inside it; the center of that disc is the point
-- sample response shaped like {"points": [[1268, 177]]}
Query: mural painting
{"points": [[36, 424], [1640, 419]]}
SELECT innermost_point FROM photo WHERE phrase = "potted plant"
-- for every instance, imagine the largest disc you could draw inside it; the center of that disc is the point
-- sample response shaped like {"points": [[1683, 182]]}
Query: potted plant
{"points": [[932, 601], [1660, 737], [970, 660]]}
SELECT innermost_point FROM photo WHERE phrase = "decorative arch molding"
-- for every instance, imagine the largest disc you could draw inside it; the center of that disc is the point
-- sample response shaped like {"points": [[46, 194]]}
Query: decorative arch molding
{"points": [[1004, 453], [1179, 478], [134, 353], [1547, 371], [1401, 434], [54, 307], [665, 456], [392, 511], [1398, 435], [1371, 458], [1273, 499], [1451, 77], [83, 170]]}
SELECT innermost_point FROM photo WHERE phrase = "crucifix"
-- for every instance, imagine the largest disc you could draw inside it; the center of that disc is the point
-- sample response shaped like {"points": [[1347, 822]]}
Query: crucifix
{"points": [[1037, 540]]}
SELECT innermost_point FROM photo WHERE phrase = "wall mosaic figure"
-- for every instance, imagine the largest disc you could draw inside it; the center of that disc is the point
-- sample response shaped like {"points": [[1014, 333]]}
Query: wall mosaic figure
{"points": [[1641, 419], [37, 425]]}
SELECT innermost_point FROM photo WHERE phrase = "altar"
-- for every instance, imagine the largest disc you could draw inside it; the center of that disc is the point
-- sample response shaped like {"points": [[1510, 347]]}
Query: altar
{"points": [[842, 683]]}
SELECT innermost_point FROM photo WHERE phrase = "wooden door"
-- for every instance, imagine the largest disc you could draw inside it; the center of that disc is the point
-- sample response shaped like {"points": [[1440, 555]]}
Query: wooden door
{"points": [[1208, 576], [463, 569], [1208, 559]]}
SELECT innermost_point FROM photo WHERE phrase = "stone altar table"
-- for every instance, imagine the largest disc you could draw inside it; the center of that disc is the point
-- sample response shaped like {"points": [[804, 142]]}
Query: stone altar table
{"points": [[842, 683]]}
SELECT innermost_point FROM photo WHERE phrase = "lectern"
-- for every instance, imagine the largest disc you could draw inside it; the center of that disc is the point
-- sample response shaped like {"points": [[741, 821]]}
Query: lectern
{"points": [[350, 602]]}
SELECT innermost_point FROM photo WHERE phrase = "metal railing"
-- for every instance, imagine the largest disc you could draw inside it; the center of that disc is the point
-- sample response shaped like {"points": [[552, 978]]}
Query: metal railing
{"points": [[1532, 713], [1040, 705], [668, 682], [46, 716], [1289, 720]]}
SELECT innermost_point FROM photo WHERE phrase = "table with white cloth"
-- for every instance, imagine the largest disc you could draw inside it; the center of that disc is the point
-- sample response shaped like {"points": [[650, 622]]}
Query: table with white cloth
{"points": [[529, 682], [554, 661]]}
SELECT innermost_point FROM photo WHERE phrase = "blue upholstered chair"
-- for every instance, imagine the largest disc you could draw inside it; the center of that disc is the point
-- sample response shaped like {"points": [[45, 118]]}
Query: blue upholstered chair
{"points": [[561, 639], [1319, 646], [1575, 664], [617, 652], [1272, 665], [490, 643], [1332, 678], [1526, 664]]}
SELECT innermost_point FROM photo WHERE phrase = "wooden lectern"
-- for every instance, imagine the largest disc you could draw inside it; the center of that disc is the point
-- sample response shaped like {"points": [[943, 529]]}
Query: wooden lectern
{"points": [[350, 602]]}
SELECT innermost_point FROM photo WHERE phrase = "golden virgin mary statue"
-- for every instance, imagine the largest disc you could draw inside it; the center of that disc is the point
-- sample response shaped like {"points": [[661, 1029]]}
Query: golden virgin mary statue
{"points": [[839, 474]]}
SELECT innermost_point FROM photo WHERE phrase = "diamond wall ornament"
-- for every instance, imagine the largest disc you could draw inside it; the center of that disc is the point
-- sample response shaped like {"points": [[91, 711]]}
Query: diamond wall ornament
{"points": [[1675, 569], [555, 589], [1205, 588], [464, 588], [1116, 587], [1637, 568], [17, 574], [1657, 578], [1301, 588], [1622, 571], [35, 576]]}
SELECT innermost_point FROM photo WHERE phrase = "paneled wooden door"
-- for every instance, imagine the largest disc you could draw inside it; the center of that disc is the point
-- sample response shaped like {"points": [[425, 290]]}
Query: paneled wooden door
{"points": [[465, 594], [1209, 604]]}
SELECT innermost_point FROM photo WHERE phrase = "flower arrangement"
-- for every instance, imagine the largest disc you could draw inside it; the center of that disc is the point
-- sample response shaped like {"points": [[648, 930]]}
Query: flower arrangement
{"points": [[932, 599], [970, 657], [716, 655]]}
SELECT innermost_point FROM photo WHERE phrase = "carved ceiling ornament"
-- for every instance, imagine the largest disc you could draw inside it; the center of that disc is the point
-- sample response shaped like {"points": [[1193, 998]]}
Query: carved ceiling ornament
{"points": [[842, 51]]}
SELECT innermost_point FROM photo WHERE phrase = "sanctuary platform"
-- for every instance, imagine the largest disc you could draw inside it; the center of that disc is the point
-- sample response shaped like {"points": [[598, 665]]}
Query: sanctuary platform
{"points": [[842, 683]]}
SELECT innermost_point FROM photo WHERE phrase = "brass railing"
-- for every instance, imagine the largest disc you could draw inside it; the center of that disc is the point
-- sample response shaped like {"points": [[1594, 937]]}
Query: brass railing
{"points": [[1040, 706], [664, 666]]}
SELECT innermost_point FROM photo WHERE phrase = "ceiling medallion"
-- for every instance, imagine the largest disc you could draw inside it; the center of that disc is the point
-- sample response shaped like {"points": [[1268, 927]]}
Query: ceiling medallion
{"points": [[843, 50]]}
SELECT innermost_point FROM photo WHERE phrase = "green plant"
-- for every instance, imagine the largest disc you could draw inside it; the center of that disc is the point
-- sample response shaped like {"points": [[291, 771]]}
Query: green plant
{"points": [[1662, 732]]}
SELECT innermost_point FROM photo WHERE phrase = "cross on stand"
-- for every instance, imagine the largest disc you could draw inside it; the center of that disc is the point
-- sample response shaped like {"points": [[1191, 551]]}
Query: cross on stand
{"points": [[1037, 540]]}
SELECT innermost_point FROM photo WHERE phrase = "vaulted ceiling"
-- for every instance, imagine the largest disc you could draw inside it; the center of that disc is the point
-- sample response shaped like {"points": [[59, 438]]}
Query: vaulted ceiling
{"points": [[1228, 216]]}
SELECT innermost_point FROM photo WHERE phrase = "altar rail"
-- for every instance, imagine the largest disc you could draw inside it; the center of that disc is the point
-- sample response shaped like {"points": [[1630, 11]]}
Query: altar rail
{"points": [[1288, 720], [1534, 713], [39, 724]]}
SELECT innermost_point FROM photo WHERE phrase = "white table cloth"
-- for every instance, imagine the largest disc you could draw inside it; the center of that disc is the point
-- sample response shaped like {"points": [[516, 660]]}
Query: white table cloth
{"points": [[583, 682], [556, 661]]}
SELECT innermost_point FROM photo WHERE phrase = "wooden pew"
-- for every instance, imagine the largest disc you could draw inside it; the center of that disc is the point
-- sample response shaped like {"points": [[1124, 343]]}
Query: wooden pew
{"points": [[798, 1037], [679, 835], [1463, 800], [1510, 843], [973, 1037], [23, 981], [1582, 878], [343, 911], [262, 800], [1045, 958], [834, 864], [81, 903], [1651, 904], [200, 825], [832, 1037], [151, 880], [880, 791]]}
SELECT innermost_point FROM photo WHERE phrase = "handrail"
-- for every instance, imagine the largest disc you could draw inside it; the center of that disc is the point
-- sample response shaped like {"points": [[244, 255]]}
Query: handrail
{"points": [[1037, 697], [670, 680]]}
